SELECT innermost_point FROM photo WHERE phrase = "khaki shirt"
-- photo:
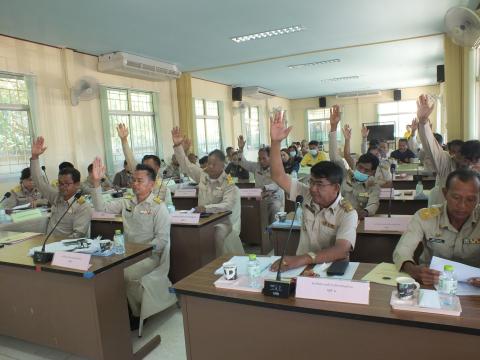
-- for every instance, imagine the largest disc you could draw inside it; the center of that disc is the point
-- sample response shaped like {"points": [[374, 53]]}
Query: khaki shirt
{"points": [[321, 228], [147, 222], [432, 228], [123, 179], [76, 223], [217, 195], [383, 174], [87, 185], [21, 196], [362, 195]]}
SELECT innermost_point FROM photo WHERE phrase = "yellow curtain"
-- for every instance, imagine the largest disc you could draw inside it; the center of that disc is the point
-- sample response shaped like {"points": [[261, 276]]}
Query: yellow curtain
{"points": [[185, 108]]}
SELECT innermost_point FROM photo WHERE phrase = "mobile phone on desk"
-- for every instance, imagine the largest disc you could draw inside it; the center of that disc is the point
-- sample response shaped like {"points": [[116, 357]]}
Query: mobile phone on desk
{"points": [[204, 214], [338, 268]]}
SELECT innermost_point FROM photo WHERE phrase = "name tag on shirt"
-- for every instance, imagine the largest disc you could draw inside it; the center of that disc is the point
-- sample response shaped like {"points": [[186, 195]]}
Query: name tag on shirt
{"points": [[471, 241], [364, 194], [436, 241], [327, 224]]}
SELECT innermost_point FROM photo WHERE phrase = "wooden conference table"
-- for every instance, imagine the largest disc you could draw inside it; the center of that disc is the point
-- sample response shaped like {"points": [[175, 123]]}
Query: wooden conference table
{"points": [[191, 246], [404, 203], [66, 310], [216, 321]]}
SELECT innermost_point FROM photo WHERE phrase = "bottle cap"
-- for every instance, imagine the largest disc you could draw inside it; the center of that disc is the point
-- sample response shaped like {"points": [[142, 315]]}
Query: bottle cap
{"points": [[448, 268], [118, 232], [252, 257]]}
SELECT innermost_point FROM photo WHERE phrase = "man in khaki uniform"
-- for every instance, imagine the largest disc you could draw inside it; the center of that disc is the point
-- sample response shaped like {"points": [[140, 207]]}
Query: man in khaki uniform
{"points": [[329, 222], [145, 221], [383, 176], [76, 223], [25, 193], [87, 185], [160, 189], [359, 187], [450, 231], [216, 193], [273, 194]]}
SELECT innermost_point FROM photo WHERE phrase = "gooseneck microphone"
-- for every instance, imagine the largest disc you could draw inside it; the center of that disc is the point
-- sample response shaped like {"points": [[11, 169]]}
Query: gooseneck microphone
{"points": [[45, 172], [393, 168], [42, 257], [279, 288], [6, 196]]}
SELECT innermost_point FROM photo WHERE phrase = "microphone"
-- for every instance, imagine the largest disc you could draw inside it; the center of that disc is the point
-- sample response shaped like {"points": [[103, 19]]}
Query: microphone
{"points": [[43, 257], [393, 168], [279, 288], [45, 172], [6, 196]]}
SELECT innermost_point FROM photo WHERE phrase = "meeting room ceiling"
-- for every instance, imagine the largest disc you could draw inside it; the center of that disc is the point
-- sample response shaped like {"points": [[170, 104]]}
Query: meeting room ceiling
{"points": [[363, 44]]}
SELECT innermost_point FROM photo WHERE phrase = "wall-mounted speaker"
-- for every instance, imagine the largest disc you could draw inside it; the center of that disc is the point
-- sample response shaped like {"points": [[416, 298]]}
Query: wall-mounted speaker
{"points": [[397, 95], [322, 102], [237, 94], [440, 73]]}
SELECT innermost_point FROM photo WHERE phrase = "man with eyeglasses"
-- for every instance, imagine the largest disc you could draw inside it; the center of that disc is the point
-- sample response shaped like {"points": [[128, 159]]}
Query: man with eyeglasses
{"points": [[76, 222], [467, 158], [450, 231], [359, 186], [329, 225]]}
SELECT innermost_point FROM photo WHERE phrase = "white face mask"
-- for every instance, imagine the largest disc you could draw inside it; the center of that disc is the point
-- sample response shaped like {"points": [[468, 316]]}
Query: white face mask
{"points": [[293, 154], [313, 152]]}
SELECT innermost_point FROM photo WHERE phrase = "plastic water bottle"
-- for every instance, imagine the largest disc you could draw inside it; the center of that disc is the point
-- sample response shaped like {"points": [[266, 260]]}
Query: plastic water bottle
{"points": [[447, 286], [118, 243], [4, 218], [419, 188], [171, 208], [253, 271]]}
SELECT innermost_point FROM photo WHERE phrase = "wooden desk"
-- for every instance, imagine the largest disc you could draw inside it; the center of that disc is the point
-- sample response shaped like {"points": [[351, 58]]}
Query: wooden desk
{"points": [[403, 204], [60, 308], [246, 184], [35, 225], [301, 329], [370, 246], [408, 183], [185, 203]]}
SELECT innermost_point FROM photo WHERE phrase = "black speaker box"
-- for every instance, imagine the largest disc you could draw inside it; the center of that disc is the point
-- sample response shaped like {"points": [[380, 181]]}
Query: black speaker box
{"points": [[397, 95], [440, 73], [322, 101], [237, 94]]}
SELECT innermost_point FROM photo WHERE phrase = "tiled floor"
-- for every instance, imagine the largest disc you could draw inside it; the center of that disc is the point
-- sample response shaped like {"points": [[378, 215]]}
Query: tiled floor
{"points": [[169, 324]]}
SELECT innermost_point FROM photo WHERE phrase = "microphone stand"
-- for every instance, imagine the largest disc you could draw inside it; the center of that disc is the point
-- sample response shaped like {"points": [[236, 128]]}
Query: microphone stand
{"points": [[45, 173], [392, 171]]}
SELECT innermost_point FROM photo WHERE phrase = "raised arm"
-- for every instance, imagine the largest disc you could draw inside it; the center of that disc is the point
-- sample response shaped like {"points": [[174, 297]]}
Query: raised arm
{"points": [[332, 136], [38, 148], [278, 132], [347, 134], [192, 170], [122, 132], [113, 207], [364, 144], [250, 166]]}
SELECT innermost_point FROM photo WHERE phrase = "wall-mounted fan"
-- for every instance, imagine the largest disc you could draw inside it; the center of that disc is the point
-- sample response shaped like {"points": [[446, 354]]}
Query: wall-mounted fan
{"points": [[84, 89], [463, 26]]}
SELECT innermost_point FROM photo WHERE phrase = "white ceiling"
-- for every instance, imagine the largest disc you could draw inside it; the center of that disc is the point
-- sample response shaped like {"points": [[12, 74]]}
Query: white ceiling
{"points": [[196, 34]]}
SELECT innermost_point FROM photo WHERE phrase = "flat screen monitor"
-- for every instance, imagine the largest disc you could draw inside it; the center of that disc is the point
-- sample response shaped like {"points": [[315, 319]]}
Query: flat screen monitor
{"points": [[381, 132]]}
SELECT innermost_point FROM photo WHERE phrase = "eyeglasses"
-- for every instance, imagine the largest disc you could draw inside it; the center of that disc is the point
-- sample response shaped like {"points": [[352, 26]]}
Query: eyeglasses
{"points": [[62, 184], [318, 184]]}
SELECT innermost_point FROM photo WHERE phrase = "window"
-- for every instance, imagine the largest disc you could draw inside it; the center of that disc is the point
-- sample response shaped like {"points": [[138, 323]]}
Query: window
{"points": [[319, 125], [401, 113], [16, 129], [207, 121], [251, 126], [134, 109]]}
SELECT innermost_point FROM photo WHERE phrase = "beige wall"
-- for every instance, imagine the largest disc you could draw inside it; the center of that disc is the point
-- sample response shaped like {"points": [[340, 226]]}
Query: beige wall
{"points": [[355, 111], [74, 133]]}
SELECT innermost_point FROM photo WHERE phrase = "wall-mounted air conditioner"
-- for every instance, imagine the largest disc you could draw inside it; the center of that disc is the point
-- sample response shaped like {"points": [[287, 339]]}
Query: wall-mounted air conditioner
{"points": [[257, 92], [358, 94]]}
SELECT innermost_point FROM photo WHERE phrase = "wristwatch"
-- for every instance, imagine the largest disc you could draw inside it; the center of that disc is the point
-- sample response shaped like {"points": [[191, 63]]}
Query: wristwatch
{"points": [[312, 255]]}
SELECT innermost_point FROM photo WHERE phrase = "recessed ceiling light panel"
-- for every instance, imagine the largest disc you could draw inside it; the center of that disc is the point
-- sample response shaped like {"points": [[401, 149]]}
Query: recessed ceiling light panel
{"points": [[316, 63], [342, 78], [267, 34]]}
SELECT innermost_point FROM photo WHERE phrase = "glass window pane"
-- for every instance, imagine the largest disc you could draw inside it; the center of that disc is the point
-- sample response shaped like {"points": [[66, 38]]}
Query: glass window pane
{"points": [[388, 108], [407, 106], [254, 112], [117, 100], [13, 91], [199, 107], [213, 140], [201, 139], [117, 151], [212, 108], [142, 136], [141, 101], [15, 142]]}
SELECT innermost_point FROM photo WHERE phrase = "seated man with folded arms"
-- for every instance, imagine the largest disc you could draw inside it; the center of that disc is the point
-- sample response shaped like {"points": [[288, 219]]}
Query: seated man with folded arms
{"points": [[123, 179], [160, 189], [25, 193], [450, 231], [403, 154], [216, 193], [272, 193], [359, 187], [145, 221], [87, 185], [468, 157], [383, 176], [329, 225], [76, 223]]}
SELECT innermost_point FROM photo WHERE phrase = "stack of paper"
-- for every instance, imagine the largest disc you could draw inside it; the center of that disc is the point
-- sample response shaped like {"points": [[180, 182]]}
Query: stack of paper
{"points": [[13, 238], [385, 274], [462, 272]]}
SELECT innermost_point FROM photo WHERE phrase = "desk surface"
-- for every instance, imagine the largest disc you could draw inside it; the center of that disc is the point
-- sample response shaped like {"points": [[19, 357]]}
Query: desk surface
{"points": [[200, 284], [17, 255]]}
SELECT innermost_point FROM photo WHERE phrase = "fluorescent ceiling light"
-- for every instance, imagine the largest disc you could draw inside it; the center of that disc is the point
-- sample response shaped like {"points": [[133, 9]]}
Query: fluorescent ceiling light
{"points": [[323, 62], [267, 34], [341, 78]]}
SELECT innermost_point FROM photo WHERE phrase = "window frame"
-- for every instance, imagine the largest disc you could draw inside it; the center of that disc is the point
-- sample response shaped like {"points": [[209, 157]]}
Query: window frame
{"points": [[248, 108], [204, 117], [398, 134], [327, 121]]}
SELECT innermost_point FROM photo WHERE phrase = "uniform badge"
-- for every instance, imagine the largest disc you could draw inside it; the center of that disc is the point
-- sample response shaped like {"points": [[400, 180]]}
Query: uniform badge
{"points": [[157, 199], [429, 213], [327, 224], [17, 189], [81, 200], [364, 194], [471, 241], [230, 180], [345, 205]]}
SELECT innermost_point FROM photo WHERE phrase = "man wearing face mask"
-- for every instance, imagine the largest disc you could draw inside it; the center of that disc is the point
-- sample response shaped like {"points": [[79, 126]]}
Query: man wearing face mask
{"points": [[272, 193], [468, 157], [329, 222], [383, 176], [25, 193], [314, 155], [290, 160], [216, 193], [359, 187]]}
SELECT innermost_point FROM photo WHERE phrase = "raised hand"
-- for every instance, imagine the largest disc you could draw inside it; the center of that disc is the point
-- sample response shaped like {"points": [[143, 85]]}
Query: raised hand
{"points": [[414, 126], [278, 130], [98, 171], [424, 109], [187, 143], [347, 132], [177, 136], [241, 142], [38, 147], [122, 131], [364, 131], [334, 117]]}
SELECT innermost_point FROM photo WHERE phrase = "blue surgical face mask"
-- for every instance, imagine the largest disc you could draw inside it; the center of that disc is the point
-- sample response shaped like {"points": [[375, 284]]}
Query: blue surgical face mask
{"points": [[313, 152], [359, 176], [293, 154]]}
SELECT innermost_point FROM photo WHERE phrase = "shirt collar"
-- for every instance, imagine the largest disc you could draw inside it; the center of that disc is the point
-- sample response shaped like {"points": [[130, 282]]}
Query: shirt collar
{"points": [[445, 221], [148, 199]]}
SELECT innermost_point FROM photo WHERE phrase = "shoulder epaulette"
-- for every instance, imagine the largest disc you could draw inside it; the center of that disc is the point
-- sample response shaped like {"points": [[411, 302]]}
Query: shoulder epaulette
{"points": [[230, 180], [157, 199], [429, 213], [127, 196], [17, 188], [54, 183], [81, 200], [345, 204]]}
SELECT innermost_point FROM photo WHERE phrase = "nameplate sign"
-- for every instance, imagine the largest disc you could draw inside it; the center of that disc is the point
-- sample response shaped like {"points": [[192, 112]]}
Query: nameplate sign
{"points": [[186, 193], [251, 193], [385, 193], [394, 223], [185, 218], [71, 260], [26, 215], [355, 292]]}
